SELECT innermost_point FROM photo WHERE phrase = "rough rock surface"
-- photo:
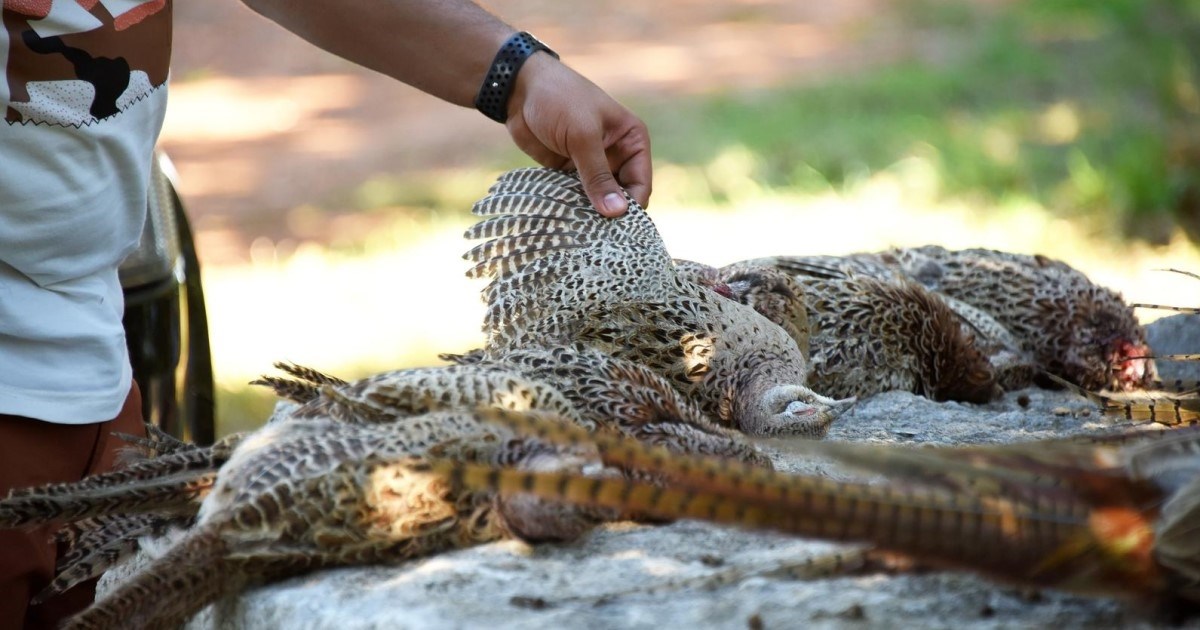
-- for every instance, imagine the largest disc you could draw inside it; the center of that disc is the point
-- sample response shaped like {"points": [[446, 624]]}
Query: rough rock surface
{"points": [[1177, 334], [603, 580]]}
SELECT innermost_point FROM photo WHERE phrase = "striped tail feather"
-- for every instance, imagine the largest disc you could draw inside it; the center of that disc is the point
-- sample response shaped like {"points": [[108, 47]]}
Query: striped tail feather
{"points": [[304, 386], [1045, 540], [307, 374], [1191, 310], [192, 574], [1178, 309], [752, 482], [1176, 357], [299, 392], [1164, 409], [1186, 273], [157, 442], [631, 455], [172, 493], [110, 541], [1177, 386], [182, 463], [986, 534]]}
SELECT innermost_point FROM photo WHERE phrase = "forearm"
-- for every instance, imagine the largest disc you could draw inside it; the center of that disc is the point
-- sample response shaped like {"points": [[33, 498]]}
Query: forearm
{"points": [[442, 47], [445, 47]]}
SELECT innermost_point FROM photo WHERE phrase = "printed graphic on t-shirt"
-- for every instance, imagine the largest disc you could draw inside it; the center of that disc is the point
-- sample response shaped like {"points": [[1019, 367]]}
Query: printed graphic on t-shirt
{"points": [[76, 62]]}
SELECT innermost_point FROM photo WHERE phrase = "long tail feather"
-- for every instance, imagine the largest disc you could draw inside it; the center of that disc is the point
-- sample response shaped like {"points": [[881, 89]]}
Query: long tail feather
{"points": [[1090, 540], [105, 546], [173, 493], [1191, 310], [1165, 407], [304, 386], [988, 535], [166, 593]]}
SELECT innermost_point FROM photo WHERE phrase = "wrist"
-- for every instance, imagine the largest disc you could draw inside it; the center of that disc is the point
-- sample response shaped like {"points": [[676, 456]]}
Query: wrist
{"points": [[533, 73], [497, 93]]}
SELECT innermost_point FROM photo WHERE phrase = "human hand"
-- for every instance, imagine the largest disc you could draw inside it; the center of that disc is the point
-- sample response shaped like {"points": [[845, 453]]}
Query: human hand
{"points": [[562, 120]]}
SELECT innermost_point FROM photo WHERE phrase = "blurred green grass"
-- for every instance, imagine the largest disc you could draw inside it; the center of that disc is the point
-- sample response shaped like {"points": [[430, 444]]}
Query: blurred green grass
{"points": [[1086, 110], [1091, 109]]}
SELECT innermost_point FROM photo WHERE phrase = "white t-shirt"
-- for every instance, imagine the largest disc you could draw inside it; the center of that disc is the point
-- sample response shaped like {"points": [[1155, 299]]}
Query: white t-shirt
{"points": [[83, 94]]}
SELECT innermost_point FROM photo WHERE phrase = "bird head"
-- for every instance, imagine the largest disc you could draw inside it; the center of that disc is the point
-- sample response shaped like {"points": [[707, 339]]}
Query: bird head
{"points": [[1130, 364], [790, 410]]}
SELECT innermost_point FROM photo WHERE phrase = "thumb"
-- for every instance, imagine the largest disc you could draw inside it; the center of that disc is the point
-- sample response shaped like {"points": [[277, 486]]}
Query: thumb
{"points": [[598, 182]]}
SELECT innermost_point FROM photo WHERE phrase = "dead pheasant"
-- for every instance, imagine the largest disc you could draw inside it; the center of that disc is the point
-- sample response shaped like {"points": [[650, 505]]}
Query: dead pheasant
{"points": [[318, 454], [1171, 403], [1116, 517], [302, 495], [1071, 326], [773, 293], [868, 335], [612, 394], [561, 273], [144, 499]]}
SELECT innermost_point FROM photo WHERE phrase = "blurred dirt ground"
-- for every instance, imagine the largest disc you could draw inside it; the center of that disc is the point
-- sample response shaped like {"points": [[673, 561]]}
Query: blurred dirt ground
{"points": [[261, 122]]}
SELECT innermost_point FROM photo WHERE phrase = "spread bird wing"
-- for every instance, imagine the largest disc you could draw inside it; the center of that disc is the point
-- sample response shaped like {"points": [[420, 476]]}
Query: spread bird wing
{"points": [[549, 253]]}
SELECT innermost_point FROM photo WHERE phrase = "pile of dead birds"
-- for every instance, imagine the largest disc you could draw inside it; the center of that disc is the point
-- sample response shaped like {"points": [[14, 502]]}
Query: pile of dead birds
{"points": [[619, 383]]}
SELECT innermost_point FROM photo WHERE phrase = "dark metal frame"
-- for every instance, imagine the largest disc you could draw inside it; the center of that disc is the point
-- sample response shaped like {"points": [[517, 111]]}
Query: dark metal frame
{"points": [[166, 327]]}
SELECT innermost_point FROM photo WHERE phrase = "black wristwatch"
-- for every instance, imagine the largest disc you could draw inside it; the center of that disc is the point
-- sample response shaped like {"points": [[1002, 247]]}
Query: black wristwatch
{"points": [[498, 83]]}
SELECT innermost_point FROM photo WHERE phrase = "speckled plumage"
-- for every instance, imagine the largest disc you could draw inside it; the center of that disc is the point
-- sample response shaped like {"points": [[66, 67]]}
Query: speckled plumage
{"points": [[613, 394], [305, 494], [319, 486], [105, 515], [868, 335], [302, 492], [562, 273], [1070, 326], [773, 293]]}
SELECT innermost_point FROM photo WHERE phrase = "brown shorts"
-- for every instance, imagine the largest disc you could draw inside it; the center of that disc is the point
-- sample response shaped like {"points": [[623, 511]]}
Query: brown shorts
{"points": [[33, 453]]}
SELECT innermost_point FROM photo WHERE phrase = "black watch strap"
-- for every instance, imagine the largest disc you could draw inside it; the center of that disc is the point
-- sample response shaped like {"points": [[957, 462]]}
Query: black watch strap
{"points": [[498, 84]]}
